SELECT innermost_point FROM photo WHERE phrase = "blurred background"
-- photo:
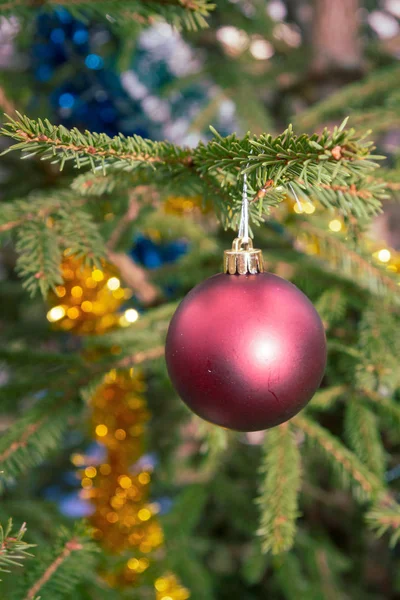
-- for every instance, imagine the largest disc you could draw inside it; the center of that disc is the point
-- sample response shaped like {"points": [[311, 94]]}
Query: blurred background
{"points": [[258, 67]]}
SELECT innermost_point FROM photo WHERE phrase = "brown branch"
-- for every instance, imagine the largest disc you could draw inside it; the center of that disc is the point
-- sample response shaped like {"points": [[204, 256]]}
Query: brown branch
{"points": [[7, 105], [134, 276], [22, 443], [140, 357], [12, 224], [72, 546]]}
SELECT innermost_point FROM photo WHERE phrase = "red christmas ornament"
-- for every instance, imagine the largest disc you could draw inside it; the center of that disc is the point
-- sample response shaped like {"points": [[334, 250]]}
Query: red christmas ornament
{"points": [[245, 349]]}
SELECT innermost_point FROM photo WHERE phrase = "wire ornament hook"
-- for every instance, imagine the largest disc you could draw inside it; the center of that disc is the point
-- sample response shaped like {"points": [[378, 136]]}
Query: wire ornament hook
{"points": [[244, 216]]}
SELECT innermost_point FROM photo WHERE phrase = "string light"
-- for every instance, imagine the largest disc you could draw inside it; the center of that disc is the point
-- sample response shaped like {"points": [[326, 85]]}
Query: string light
{"points": [[113, 283], [55, 314], [384, 255], [131, 315], [335, 225]]}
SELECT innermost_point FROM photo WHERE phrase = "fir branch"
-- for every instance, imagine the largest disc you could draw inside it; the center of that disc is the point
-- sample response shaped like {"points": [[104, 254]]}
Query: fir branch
{"points": [[13, 549], [312, 162], [383, 519], [189, 14], [347, 262], [372, 91], [36, 208], [56, 571], [331, 306], [363, 436], [360, 196], [44, 226], [39, 256], [353, 473], [326, 398], [33, 437], [94, 149], [387, 408], [80, 233], [279, 489], [72, 545]]}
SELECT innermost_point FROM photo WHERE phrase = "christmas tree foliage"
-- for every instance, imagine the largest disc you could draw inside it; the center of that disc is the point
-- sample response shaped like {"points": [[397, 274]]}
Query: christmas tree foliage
{"points": [[125, 493]]}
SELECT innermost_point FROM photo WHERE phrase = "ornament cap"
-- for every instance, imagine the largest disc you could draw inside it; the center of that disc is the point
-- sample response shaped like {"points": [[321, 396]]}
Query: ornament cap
{"points": [[243, 259]]}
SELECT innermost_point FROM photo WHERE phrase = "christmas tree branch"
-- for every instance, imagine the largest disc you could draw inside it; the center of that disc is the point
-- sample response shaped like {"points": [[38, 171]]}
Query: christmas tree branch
{"points": [[56, 571], [310, 161], [362, 433], [347, 262], [73, 545], [385, 406], [347, 464], [13, 549], [33, 437], [383, 518], [59, 221], [278, 498], [373, 91]]}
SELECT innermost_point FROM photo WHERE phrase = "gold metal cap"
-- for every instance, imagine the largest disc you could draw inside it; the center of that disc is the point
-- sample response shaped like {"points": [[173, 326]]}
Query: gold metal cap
{"points": [[243, 258]]}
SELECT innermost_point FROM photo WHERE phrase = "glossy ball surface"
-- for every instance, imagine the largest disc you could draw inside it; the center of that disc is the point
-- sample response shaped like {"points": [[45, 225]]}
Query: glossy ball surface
{"points": [[246, 352]]}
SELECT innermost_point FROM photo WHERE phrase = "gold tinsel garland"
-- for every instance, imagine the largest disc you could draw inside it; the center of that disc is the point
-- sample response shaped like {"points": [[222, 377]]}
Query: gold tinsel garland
{"points": [[124, 521], [88, 300]]}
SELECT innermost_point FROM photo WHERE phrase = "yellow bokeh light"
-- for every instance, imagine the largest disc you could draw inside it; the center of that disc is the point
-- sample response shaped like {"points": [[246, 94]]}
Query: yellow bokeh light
{"points": [[98, 275], [90, 283], [131, 315], [161, 584], [125, 482], [120, 434], [76, 291], [73, 312], [78, 460], [87, 306], [105, 469], [112, 517], [143, 564], [133, 564], [101, 430], [119, 294], [91, 472], [384, 255], [298, 208], [144, 514], [60, 291], [335, 225], [309, 208], [86, 483], [55, 314], [113, 283], [144, 478]]}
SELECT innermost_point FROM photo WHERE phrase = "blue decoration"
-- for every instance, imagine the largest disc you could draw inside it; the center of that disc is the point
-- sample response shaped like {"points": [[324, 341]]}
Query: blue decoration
{"points": [[66, 100], [73, 506], [94, 61], [153, 255], [105, 100]]}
